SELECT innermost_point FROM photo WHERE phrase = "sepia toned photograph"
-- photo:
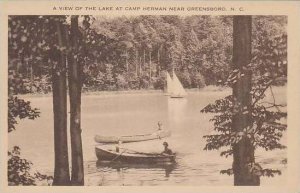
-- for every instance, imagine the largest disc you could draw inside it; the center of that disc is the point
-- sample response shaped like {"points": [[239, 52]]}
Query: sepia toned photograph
{"points": [[149, 96], [147, 100]]}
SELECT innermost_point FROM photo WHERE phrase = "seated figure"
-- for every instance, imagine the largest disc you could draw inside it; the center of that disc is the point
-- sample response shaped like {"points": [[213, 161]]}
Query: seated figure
{"points": [[166, 151]]}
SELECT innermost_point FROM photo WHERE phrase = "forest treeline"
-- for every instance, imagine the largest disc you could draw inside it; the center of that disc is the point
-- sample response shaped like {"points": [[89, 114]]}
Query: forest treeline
{"points": [[135, 52]]}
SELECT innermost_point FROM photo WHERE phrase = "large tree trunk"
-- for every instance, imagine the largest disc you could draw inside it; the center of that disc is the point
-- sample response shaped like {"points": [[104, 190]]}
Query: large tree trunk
{"points": [[61, 170], [243, 151], [75, 84]]}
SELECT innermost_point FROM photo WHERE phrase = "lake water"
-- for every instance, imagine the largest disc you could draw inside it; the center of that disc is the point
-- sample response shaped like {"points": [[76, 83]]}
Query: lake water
{"points": [[126, 114]]}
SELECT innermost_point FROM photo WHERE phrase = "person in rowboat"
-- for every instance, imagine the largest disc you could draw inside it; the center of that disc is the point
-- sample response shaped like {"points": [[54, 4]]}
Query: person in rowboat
{"points": [[118, 146], [166, 151]]}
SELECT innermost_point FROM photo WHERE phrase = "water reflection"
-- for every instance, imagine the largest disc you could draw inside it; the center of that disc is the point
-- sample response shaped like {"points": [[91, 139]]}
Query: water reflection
{"points": [[119, 167], [176, 109], [138, 114]]}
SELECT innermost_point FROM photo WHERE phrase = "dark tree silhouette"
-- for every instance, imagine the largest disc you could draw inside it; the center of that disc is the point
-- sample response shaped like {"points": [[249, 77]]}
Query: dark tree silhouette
{"points": [[75, 84], [243, 151], [59, 86], [243, 120]]}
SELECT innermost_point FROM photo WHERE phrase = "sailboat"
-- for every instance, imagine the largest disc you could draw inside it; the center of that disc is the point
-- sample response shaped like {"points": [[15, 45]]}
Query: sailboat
{"points": [[174, 87]]}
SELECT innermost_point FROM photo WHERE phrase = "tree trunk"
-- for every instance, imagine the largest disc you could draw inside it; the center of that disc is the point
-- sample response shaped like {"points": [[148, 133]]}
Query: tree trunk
{"points": [[126, 54], [150, 65], [136, 63], [158, 64], [181, 60], [243, 151], [75, 84], [31, 77], [61, 170], [144, 59], [140, 66]]}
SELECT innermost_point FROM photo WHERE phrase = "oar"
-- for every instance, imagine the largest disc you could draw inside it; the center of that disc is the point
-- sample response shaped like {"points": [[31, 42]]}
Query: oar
{"points": [[118, 155]]}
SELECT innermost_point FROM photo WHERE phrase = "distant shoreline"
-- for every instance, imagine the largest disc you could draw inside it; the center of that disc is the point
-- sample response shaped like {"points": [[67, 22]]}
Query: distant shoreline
{"points": [[144, 91], [140, 92]]}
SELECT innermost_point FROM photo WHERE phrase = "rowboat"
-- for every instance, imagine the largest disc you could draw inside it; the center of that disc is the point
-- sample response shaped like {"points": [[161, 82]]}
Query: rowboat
{"points": [[118, 165], [129, 156], [132, 138]]}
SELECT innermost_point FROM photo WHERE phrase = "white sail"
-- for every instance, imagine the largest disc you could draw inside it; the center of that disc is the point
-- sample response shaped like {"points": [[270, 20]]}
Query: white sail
{"points": [[169, 84], [177, 88]]}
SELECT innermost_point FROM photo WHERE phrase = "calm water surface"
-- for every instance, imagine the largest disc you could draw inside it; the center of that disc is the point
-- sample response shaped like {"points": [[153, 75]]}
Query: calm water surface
{"points": [[126, 114]]}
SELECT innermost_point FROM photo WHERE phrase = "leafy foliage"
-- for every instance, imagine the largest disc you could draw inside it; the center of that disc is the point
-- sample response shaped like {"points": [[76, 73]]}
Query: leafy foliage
{"points": [[143, 46], [256, 169], [18, 168], [19, 108], [19, 171], [32, 50], [29, 47], [268, 65]]}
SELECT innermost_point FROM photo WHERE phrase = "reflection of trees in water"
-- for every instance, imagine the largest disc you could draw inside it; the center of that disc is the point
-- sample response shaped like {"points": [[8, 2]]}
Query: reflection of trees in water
{"points": [[119, 167]]}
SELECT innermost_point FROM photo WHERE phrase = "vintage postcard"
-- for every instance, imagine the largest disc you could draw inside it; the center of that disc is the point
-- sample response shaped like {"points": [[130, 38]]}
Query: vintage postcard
{"points": [[150, 96]]}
